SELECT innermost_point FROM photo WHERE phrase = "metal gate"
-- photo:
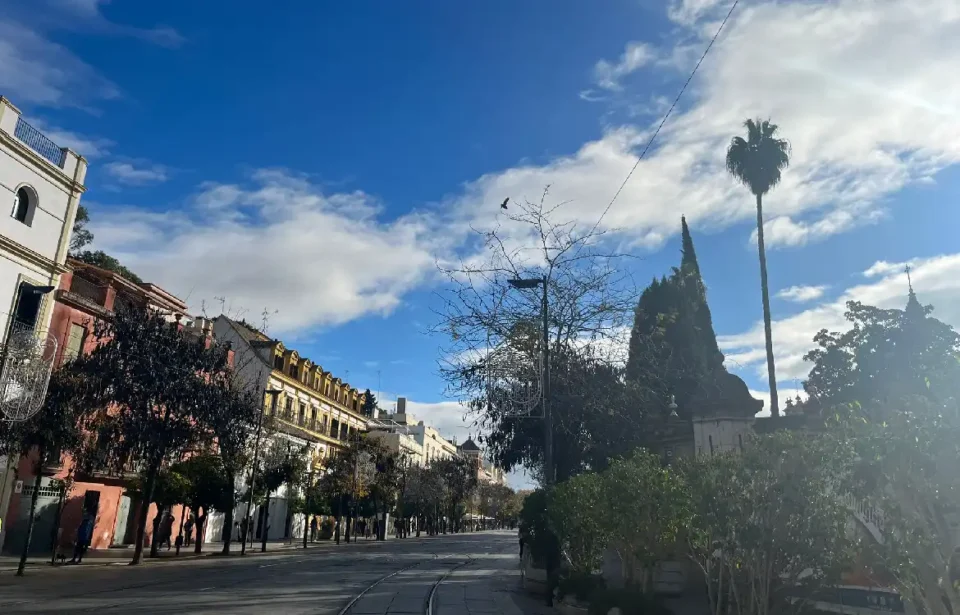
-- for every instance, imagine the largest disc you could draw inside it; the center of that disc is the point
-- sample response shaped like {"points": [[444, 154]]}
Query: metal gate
{"points": [[44, 521]]}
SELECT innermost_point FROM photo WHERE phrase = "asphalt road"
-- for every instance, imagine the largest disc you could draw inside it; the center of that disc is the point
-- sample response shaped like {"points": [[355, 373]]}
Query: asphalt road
{"points": [[479, 574]]}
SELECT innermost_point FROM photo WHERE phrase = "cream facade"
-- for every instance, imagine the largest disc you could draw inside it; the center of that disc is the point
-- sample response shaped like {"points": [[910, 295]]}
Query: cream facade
{"points": [[40, 189], [431, 445], [313, 409]]}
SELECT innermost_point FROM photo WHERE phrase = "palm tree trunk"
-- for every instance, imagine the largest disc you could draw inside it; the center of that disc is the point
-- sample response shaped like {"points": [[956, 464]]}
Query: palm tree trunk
{"points": [[765, 291]]}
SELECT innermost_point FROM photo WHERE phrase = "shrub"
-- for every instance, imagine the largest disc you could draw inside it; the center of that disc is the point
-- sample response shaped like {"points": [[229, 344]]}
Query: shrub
{"points": [[581, 586]]}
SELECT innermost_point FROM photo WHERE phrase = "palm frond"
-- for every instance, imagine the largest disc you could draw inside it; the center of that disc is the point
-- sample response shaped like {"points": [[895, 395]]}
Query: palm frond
{"points": [[758, 160]]}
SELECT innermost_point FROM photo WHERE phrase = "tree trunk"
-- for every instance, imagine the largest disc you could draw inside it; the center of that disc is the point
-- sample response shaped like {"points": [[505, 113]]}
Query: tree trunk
{"points": [[228, 519], [199, 524], [765, 292], [55, 533], [155, 539], [266, 525], [347, 535], [31, 518], [144, 511]]}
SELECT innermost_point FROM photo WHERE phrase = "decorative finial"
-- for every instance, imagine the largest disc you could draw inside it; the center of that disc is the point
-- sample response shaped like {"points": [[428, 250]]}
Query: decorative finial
{"points": [[909, 280]]}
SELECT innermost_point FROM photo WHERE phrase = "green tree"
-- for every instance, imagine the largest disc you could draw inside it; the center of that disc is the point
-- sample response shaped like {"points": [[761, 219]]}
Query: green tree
{"points": [[647, 526], [769, 527], [55, 430], [169, 489], [369, 403], [99, 258], [906, 476], [283, 464], [757, 163], [673, 351], [209, 489], [148, 376], [234, 412], [886, 355], [459, 478], [81, 236], [572, 512]]}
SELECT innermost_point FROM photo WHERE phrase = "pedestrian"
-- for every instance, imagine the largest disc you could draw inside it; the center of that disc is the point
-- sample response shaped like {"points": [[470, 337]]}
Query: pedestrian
{"points": [[313, 529], [166, 530], [84, 535], [188, 530], [236, 531]]}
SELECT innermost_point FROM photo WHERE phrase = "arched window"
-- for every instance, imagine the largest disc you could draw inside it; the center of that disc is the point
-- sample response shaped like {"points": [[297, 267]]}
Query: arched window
{"points": [[24, 204]]}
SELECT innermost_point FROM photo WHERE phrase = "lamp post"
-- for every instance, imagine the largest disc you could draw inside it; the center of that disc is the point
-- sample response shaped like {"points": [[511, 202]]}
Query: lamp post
{"points": [[273, 393], [527, 283], [306, 511]]}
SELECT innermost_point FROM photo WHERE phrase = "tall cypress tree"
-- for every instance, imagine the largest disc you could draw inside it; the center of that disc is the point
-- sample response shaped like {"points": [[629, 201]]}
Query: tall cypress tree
{"points": [[696, 293], [673, 348]]}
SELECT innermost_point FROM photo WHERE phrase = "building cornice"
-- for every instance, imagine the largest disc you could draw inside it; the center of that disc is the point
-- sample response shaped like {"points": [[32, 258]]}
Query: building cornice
{"points": [[34, 258], [49, 169], [279, 375]]}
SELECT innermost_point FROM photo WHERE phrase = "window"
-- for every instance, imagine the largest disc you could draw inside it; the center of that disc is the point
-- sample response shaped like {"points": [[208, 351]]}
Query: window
{"points": [[334, 428], [302, 415], [74, 342], [293, 370], [288, 408], [278, 362], [24, 205], [27, 310]]}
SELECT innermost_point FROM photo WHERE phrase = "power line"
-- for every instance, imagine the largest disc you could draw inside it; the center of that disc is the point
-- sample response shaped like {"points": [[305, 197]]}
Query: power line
{"points": [[665, 117]]}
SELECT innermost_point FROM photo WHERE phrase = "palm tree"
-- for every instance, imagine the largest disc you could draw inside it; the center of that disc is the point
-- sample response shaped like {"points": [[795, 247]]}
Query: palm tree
{"points": [[756, 162]]}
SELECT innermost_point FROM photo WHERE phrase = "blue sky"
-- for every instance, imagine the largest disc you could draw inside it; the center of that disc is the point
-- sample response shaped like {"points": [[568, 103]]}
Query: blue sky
{"points": [[317, 159]]}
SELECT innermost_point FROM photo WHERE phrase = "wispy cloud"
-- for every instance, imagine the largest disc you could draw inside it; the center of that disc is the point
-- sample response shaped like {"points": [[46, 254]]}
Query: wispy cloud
{"points": [[132, 174], [208, 245], [802, 294], [936, 281], [607, 75]]}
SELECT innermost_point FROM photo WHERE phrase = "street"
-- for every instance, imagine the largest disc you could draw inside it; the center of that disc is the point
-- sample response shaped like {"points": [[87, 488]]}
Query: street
{"points": [[478, 573]]}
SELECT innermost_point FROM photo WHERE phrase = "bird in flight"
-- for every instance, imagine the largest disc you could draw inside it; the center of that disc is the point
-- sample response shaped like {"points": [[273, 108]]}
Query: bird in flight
{"points": [[504, 204]]}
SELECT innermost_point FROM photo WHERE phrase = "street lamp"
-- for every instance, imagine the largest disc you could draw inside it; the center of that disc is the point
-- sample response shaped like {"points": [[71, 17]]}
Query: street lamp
{"points": [[523, 284], [273, 393]]}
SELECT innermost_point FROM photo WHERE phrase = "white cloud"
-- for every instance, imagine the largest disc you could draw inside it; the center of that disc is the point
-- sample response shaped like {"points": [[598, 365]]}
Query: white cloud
{"points": [[131, 175], [87, 146], [688, 12], [35, 70], [802, 294], [858, 88], [608, 75], [280, 243], [936, 281], [782, 394]]}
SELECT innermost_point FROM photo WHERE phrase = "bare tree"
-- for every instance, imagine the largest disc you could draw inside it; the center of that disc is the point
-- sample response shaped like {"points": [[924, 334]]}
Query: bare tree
{"points": [[590, 296]]}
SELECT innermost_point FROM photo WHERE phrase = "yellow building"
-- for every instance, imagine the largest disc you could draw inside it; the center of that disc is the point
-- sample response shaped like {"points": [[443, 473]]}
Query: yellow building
{"points": [[313, 405]]}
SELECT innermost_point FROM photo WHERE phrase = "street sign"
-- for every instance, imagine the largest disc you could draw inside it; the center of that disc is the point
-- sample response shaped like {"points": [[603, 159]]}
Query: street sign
{"points": [[18, 486]]}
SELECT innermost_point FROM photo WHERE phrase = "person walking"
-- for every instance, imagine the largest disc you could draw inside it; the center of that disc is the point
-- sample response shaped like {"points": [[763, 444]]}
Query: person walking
{"points": [[166, 530], [84, 535], [188, 530]]}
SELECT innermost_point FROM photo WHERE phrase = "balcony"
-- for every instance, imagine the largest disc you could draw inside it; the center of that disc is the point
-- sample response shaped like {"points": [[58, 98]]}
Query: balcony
{"points": [[39, 143], [85, 295]]}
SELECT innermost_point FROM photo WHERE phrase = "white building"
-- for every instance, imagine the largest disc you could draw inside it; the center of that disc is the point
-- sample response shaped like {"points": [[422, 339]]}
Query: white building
{"points": [[313, 409], [40, 189], [431, 444]]}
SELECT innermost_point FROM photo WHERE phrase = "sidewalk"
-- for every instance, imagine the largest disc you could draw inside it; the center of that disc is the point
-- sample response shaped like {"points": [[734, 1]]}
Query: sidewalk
{"points": [[122, 556]]}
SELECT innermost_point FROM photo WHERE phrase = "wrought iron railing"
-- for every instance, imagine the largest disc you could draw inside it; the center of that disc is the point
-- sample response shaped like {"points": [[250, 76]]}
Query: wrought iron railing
{"points": [[39, 142], [88, 290]]}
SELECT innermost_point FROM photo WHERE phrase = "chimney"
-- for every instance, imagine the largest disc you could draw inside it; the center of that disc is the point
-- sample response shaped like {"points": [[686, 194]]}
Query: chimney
{"points": [[401, 405]]}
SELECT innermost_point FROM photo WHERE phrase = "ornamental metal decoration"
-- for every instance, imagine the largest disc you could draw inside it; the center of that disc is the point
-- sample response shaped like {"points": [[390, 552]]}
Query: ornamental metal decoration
{"points": [[514, 382], [27, 361]]}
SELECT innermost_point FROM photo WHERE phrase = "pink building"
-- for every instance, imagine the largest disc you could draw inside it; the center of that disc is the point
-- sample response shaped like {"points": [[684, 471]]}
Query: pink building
{"points": [[86, 294]]}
